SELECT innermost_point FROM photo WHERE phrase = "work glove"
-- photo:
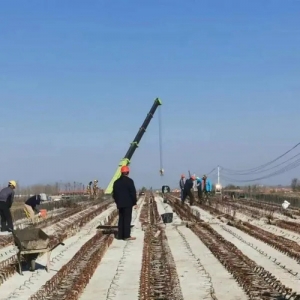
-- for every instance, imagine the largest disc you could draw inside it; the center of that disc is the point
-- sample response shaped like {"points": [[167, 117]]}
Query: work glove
{"points": [[39, 214]]}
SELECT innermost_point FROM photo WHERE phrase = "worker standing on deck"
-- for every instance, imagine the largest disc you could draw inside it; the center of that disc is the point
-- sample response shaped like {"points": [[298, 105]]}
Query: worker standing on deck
{"points": [[124, 194], [95, 188], [181, 185], [89, 188], [6, 200], [206, 186], [31, 207], [188, 190], [199, 188], [195, 184]]}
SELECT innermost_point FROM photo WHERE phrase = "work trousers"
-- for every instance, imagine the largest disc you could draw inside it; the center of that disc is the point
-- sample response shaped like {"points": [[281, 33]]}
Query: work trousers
{"points": [[32, 215], [189, 194], [6, 218], [199, 193], [181, 194], [125, 215]]}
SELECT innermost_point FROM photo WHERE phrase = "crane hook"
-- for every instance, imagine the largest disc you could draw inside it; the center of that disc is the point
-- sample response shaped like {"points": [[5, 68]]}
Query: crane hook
{"points": [[161, 171]]}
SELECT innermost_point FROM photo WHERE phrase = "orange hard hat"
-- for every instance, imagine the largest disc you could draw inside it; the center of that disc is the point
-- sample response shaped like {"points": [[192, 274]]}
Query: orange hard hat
{"points": [[182, 176], [124, 169]]}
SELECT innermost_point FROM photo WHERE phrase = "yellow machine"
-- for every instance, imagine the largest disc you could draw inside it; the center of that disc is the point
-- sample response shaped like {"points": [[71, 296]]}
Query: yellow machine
{"points": [[134, 145]]}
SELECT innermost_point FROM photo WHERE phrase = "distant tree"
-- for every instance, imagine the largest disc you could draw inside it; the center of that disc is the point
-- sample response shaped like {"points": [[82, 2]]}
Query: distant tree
{"points": [[295, 184], [143, 189], [230, 187], [253, 189]]}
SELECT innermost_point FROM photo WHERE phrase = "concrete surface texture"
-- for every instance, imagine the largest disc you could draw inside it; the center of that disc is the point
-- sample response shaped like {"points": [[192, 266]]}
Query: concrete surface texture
{"points": [[25, 286], [200, 273], [11, 250], [119, 271], [261, 253]]}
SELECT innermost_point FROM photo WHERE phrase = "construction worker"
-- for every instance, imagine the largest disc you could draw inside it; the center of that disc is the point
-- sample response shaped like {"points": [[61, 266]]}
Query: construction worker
{"points": [[165, 190], [89, 188], [195, 184], [95, 188], [30, 206], [188, 190], [6, 200], [199, 191], [124, 194], [181, 185], [206, 186]]}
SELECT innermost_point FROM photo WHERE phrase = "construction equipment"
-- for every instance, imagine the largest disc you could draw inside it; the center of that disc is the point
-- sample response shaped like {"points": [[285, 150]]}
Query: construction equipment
{"points": [[31, 242], [126, 160]]}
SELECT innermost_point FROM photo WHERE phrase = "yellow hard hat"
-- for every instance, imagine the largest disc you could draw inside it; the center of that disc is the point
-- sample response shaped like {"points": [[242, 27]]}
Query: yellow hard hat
{"points": [[13, 183]]}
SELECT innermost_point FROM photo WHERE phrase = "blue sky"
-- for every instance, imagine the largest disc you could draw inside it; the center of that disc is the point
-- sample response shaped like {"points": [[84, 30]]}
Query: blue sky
{"points": [[77, 79]]}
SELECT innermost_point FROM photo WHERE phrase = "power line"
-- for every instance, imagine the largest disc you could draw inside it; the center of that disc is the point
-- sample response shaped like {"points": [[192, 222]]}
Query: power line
{"points": [[254, 170], [263, 170], [289, 167], [211, 171]]}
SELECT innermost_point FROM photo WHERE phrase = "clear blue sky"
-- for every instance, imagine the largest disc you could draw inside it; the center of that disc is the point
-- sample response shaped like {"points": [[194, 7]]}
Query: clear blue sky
{"points": [[77, 79]]}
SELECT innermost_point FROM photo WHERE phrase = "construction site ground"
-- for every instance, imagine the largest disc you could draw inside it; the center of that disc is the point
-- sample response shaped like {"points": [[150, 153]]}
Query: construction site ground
{"points": [[166, 260]]}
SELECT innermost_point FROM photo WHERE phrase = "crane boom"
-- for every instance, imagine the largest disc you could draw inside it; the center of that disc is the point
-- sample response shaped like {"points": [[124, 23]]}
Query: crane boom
{"points": [[134, 145]]}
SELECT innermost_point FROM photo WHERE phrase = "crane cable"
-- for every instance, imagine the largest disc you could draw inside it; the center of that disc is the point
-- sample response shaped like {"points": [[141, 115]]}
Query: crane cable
{"points": [[161, 170]]}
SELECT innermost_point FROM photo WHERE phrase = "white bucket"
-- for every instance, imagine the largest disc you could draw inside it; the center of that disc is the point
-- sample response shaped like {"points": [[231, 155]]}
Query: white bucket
{"points": [[285, 204]]}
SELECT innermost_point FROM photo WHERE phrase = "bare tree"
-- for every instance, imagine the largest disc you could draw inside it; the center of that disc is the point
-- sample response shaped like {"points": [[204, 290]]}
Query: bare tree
{"points": [[295, 184]]}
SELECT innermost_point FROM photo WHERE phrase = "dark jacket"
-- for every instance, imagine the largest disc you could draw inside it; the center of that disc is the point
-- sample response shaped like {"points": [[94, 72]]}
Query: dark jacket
{"points": [[181, 183], [34, 201], [124, 192], [7, 195], [189, 183]]}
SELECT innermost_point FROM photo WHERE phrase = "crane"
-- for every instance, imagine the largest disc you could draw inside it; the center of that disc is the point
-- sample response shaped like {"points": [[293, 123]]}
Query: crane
{"points": [[134, 145]]}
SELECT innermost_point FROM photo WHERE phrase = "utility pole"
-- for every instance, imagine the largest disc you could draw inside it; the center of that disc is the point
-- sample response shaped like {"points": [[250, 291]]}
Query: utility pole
{"points": [[218, 175]]}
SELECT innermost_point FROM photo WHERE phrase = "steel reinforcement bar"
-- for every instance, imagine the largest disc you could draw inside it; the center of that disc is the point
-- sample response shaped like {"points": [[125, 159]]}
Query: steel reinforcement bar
{"points": [[292, 226], [159, 279], [258, 283], [253, 212], [289, 225], [278, 207], [256, 210], [72, 210], [216, 204], [280, 243], [8, 266], [18, 213], [7, 240], [69, 282]]}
